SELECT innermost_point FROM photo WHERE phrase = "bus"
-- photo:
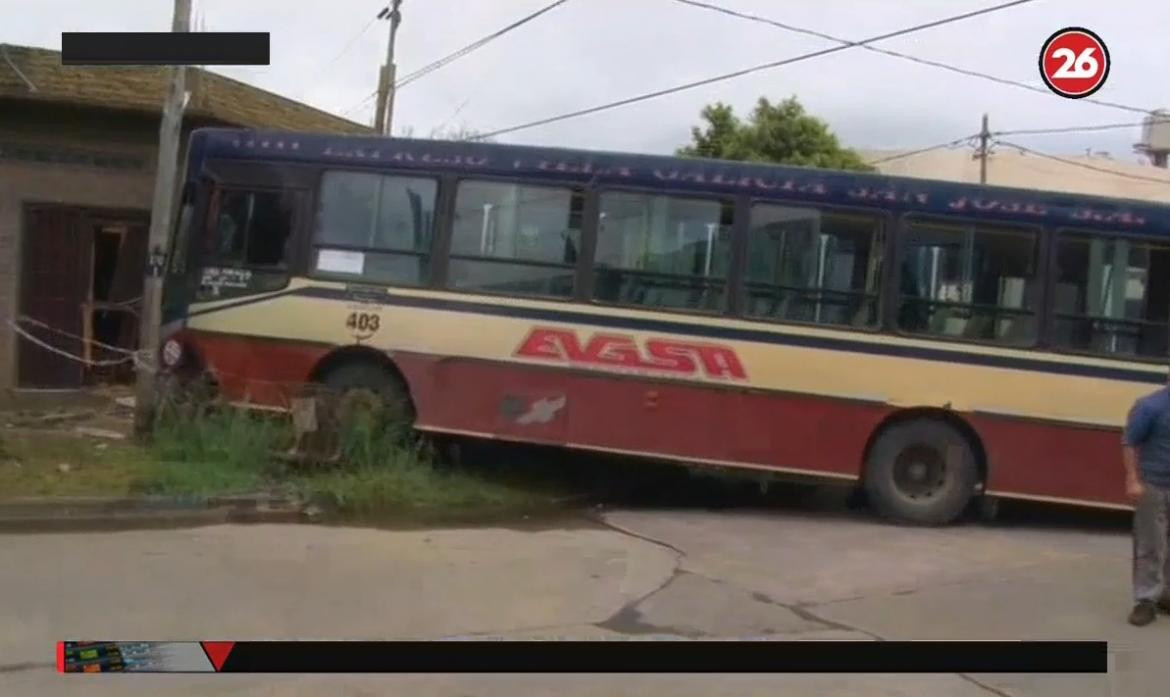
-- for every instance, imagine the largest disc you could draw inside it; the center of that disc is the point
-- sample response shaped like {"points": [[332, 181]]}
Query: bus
{"points": [[933, 344]]}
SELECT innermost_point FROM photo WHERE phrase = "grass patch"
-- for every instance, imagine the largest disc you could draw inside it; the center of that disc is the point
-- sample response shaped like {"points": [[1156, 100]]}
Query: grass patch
{"points": [[384, 471], [215, 452], [45, 463]]}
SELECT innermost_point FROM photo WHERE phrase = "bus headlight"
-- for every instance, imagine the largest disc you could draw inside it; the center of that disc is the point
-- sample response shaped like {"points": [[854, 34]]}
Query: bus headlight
{"points": [[172, 353]]}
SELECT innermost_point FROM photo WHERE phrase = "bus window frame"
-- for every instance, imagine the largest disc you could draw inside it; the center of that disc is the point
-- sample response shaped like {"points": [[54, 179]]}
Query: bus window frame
{"points": [[185, 239], [215, 200], [1057, 234], [731, 200], [310, 245], [1043, 249], [887, 220], [537, 182], [217, 175]]}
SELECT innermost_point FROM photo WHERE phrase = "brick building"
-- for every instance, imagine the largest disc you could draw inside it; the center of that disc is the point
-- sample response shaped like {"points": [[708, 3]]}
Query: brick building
{"points": [[78, 148]]}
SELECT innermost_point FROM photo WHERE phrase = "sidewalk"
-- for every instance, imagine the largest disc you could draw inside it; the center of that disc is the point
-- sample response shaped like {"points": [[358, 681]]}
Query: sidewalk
{"points": [[104, 513]]}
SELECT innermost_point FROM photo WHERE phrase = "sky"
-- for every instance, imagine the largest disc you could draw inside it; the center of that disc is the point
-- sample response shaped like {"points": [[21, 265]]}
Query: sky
{"points": [[588, 52]]}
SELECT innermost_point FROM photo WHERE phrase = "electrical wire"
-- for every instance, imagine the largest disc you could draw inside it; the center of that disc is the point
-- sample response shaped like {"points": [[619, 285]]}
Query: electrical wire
{"points": [[432, 67], [1083, 165], [747, 71], [911, 153], [1077, 129], [308, 83], [359, 105], [904, 56], [350, 44]]}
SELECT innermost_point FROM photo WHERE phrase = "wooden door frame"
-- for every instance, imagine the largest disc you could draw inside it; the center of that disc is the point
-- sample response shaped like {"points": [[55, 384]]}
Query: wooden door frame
{"points": [[86, 217]]}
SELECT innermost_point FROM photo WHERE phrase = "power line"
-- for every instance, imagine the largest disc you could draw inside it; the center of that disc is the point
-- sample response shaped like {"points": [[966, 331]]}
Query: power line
{"points": [[920, 151], [1076, 129], [753, 69], [904, 56], [1084, 165], [432, 67], [349, 44], [360, 104]]}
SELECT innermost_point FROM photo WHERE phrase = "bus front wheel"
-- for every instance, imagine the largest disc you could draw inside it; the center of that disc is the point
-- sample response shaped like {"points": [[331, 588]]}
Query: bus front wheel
{"points": [[921, 472], [356, 382]]}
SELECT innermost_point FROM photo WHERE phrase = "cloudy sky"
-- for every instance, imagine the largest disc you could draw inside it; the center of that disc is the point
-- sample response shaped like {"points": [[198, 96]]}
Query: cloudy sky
{"points": [[588, 52]]}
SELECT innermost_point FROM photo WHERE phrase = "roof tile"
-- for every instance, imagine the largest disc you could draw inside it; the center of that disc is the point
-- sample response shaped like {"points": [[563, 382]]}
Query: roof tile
{"points": [[143, 89]]}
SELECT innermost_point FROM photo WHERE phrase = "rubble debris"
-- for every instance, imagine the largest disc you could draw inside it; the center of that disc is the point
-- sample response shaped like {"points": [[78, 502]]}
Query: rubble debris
{"points": [[36, 420], [98, 433]]}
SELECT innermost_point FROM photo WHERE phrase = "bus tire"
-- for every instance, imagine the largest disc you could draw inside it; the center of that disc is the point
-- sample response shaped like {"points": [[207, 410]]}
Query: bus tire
{"points": [[921, 472], [351, 379]]}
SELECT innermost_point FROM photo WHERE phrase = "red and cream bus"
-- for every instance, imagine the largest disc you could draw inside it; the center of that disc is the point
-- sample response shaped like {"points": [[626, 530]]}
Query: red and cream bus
{"points": [[930, 341]]}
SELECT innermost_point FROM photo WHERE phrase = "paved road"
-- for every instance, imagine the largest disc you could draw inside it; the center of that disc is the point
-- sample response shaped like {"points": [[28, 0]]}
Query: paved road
{"points": [[793, 574]]}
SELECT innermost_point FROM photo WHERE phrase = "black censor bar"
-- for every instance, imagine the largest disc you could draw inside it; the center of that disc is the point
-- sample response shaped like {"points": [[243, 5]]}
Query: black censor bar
{"points": [[165, 48], [667, 657]]}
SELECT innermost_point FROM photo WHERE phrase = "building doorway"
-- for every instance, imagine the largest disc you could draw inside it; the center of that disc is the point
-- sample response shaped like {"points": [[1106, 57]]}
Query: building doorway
{"points": [[80, 294]]}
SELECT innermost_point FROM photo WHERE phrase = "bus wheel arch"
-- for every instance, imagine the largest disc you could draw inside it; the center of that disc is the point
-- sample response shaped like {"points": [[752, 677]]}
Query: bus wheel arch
{"points": [[919, 430], [349, 364]]}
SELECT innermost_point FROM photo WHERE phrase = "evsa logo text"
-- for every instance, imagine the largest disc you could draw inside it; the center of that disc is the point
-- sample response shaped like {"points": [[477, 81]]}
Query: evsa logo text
{"points": [[624, 352]]}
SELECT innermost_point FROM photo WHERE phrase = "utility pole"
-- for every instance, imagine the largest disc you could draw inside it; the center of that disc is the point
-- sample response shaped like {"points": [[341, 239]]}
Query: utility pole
{"points": [[384, 118], [984, 140], [161, 214]]}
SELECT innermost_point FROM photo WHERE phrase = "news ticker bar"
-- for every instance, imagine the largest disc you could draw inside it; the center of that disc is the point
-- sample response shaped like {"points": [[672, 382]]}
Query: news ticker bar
{"points": [[583, 657], [165, 48]]}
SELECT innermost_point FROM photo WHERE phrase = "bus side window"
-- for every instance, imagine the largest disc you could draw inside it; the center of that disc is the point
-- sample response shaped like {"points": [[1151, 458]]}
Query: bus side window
{"points": [[808, 265], [1111, 295], [974, 282], [376, 227], [515, 239], [251, 228], [663, 251]]}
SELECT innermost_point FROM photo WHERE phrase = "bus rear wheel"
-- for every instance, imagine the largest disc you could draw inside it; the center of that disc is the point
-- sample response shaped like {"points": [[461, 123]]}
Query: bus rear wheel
{"points": [[921, 472]]}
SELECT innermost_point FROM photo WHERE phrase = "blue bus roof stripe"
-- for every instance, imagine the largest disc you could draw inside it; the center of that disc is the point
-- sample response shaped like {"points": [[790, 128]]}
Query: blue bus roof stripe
{"points": [[693, 175]]}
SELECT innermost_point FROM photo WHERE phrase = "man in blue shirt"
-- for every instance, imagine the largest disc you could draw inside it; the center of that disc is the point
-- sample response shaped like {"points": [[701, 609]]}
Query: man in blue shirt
{"points": [[1146, 453]]}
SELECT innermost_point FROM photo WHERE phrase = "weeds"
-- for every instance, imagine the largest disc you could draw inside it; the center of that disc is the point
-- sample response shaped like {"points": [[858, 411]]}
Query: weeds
{"points": [[381, 469]]}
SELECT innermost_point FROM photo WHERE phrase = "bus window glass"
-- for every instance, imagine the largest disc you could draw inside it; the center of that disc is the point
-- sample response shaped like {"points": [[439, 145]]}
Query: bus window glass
{"points": [[518, 279], [968, 282], [508, 238], [662, 251], [251, 228], [386, 222], [1111, 296], [806, 265]]}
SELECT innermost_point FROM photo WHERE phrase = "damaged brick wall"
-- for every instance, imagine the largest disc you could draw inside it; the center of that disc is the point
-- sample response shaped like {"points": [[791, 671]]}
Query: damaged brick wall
{"points": [[63, 180]]}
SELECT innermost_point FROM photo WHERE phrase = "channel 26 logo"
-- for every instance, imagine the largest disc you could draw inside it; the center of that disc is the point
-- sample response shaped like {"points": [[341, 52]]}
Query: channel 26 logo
{"points": [[1074, 62]]}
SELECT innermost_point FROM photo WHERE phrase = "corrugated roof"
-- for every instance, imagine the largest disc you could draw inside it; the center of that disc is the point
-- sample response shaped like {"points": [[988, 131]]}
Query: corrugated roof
{"points": [[213, 96]]}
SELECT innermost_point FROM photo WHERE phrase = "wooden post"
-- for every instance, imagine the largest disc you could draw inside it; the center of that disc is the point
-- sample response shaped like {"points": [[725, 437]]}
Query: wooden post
{"points": [[161, 214]]}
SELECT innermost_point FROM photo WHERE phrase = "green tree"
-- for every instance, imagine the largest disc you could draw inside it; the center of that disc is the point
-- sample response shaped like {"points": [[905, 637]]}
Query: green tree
{"points": [[781, 133]]}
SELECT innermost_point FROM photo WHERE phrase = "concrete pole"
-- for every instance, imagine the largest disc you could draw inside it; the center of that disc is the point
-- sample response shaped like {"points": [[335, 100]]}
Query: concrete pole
{"points": [[161, 215], [384, 118], [984, 139]]}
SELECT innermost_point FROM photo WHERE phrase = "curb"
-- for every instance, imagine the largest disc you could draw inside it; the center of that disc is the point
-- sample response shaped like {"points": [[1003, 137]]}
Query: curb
{"points": [[113, 513]]}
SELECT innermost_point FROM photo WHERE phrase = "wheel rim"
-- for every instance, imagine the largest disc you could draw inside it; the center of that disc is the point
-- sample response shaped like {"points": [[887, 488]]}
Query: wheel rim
{"points": [[920, 472]]}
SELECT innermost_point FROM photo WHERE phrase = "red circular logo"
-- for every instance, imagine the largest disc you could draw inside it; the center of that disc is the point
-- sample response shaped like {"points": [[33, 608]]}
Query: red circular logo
{"points": [[1074, 62]]}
